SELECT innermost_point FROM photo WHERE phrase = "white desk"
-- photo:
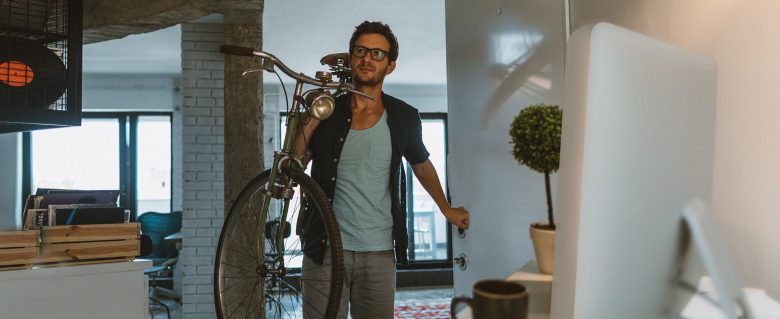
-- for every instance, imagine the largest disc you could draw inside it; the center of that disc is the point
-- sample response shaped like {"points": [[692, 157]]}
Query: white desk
{"points": [[112, 290], [762, 305]]}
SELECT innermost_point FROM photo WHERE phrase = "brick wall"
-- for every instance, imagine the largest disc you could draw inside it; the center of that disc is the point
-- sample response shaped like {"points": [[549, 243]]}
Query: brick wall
{"points": [[202, 112]]}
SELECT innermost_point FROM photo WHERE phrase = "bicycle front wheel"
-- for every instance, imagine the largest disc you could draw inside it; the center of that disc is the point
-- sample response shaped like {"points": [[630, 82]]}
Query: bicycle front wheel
{"points": [[251, 278]]}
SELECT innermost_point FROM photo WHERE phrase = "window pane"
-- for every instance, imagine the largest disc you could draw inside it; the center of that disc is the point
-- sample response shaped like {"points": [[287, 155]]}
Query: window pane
{"points": [[85, 157], [154, 164], [430, 226]]}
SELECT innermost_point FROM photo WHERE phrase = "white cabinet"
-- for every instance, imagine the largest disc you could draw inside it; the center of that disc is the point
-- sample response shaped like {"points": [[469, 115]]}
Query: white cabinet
{"points": [[111, 290]]}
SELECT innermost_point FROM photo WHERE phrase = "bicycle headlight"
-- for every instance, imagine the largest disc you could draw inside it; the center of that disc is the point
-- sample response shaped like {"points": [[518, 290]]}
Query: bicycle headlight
{"points": [[320, 103]]}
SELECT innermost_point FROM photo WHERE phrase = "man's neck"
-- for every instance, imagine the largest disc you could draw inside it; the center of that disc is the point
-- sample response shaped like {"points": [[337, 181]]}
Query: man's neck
{"points": [[362, 102]]}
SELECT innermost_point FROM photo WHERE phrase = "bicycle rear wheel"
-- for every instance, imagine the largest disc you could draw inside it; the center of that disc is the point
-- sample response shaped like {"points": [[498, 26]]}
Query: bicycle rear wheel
{"points": [[250, 286]]}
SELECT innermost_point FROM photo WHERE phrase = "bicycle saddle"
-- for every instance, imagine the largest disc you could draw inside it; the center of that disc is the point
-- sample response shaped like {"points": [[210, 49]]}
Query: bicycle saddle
{"points": [[333, 59]]}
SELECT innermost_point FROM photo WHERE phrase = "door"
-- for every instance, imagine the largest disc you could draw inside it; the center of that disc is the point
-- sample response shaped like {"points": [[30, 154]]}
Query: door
{"points": [[501, 56]]}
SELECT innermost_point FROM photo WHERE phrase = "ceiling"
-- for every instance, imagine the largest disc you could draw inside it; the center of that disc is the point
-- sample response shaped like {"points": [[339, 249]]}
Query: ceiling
{"points": [[319, 30], [154, 52]]}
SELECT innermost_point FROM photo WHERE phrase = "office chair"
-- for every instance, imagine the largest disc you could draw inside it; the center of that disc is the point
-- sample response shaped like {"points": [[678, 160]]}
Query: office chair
{"points": [[155, 227]]}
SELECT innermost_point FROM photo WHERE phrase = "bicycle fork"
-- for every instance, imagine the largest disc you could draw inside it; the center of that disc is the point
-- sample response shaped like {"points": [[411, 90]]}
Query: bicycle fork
{"points": [[284, 191]]}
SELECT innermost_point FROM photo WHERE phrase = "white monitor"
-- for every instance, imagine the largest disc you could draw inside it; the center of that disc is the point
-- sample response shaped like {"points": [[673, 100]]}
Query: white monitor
{"points": [[638, 140]]}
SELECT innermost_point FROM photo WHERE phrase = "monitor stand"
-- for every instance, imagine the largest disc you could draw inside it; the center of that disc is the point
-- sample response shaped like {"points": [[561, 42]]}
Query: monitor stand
{"points": [[717, 263]]}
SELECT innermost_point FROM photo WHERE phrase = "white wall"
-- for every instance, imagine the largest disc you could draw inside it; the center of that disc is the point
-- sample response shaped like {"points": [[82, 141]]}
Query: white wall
{"points": [[128, 92], [418, 25], [427, 98], [742, 36], [10, 180]]}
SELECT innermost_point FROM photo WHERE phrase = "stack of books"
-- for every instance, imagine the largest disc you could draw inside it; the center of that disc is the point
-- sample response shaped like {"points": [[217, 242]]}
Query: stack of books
{"points": [[52, 207]]}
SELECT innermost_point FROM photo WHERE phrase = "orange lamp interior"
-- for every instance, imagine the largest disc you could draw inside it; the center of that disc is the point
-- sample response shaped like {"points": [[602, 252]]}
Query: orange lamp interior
{"points": [[15, 73]]}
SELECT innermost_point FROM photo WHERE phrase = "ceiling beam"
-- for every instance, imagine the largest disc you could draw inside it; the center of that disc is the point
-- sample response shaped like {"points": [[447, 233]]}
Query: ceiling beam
{"points": [[108, 20]]}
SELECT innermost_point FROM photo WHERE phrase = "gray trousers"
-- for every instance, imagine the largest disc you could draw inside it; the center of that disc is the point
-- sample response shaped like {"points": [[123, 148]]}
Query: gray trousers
{"points": [[369, 285]]}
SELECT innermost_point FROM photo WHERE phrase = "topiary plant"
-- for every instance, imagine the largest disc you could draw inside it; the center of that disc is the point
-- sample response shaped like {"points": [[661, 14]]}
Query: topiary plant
{"points": [[536, 140]]}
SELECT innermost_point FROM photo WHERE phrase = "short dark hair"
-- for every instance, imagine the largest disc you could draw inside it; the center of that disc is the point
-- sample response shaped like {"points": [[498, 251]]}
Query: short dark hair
{"points": [[377, 27]]}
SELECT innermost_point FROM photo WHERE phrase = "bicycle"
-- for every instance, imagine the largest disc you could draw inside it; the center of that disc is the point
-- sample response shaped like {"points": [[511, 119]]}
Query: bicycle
{"points": [[252, 270]]}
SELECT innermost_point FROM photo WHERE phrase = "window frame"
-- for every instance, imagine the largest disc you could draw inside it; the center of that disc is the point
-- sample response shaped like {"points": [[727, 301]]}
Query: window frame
{"points": [[128, 160]]}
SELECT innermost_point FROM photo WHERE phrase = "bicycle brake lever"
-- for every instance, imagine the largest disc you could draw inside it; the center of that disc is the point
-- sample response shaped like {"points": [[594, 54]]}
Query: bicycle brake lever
{"points": [[347, 88], [251, 71], [362, 94], [267, 65]]}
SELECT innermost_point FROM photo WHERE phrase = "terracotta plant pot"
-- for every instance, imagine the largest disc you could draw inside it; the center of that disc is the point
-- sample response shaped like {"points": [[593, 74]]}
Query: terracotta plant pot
{"points": [[544, 246]]}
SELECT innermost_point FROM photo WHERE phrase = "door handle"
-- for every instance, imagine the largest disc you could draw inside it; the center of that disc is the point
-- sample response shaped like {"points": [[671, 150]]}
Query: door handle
{"points": [[462, 261]]}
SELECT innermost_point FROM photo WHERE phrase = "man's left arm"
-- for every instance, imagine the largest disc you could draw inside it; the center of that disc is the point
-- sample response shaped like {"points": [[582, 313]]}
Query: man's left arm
{"points": [[426, 174]]}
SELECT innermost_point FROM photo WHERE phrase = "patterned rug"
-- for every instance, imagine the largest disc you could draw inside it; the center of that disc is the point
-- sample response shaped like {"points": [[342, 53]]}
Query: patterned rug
{"points": [[432, 308]]}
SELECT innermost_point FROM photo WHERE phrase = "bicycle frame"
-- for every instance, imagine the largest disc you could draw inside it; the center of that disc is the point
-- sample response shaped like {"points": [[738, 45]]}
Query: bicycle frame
{"points": [[287, 152]]}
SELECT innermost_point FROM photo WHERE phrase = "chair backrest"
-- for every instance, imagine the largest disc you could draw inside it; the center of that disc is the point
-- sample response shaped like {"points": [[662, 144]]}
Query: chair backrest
{"points": [[157, 226]]}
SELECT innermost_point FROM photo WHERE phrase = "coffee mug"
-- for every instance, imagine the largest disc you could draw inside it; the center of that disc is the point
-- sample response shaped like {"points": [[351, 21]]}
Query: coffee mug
{"points": [[495, 299]]}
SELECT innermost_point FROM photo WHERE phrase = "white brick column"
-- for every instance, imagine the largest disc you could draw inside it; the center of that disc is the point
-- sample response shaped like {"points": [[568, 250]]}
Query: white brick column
{"points": [[203, 163]]}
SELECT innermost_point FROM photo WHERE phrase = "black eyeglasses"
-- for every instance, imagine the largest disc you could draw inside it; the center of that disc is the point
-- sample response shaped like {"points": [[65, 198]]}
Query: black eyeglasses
{"points": [[376, 54]]}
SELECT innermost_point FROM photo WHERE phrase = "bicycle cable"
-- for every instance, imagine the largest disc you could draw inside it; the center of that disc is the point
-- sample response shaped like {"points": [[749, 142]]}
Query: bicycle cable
{"points": [[284, 89]]}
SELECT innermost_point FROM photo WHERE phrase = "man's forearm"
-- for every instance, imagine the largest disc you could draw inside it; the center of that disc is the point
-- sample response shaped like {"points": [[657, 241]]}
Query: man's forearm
{"points": [[303, 136], [427, 176], [429, 179]]}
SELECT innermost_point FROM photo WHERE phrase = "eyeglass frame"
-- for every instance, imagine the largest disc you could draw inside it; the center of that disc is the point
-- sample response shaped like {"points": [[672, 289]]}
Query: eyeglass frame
{"points": [[370, 50]]}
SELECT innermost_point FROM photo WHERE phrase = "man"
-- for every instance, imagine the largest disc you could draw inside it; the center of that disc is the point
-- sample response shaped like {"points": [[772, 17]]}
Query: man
{"points": [[356, 157]]}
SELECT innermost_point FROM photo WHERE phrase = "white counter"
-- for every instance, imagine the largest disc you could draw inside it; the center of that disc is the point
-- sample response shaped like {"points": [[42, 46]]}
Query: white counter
{"points": [[539, 287], [111, 290]]}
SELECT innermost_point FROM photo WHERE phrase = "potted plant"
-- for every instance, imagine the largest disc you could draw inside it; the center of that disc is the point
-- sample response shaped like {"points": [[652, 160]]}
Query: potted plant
{"points": [[536, 140]]}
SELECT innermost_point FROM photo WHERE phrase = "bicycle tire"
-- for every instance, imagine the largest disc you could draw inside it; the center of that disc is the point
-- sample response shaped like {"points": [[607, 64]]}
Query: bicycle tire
{"points": [[258, 291]]}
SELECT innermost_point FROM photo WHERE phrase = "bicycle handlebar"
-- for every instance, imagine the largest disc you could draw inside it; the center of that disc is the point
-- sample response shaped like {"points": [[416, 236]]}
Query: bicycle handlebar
{"points": [[300, 77], [236, 50], [245, 51]]}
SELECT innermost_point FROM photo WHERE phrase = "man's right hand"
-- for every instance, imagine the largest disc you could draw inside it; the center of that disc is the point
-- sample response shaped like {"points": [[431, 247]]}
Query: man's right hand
{"points": [[458, 216]]}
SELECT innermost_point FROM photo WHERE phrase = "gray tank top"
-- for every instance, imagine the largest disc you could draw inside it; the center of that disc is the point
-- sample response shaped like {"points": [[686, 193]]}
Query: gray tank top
{"points": [[362, 201]]}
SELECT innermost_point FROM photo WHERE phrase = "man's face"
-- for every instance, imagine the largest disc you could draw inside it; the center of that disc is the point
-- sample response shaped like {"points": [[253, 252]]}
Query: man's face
{"points": [[367, 71]]}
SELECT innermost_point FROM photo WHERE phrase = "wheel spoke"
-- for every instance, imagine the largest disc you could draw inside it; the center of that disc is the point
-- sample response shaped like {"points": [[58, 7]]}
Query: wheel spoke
{"points": [[239, 304], [252, 255], [235, 248], [237, 267], [250, 309]]}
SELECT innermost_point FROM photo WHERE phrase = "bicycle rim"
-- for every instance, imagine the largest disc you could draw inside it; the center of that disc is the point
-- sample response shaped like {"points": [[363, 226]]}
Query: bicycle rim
{"points": [[246, 286]]}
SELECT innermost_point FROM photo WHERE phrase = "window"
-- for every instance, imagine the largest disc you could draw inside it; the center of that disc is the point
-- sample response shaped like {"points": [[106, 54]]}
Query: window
{"points": [[84, 157], [427, 227], [153, 169], [126, 151], [429, 231]]}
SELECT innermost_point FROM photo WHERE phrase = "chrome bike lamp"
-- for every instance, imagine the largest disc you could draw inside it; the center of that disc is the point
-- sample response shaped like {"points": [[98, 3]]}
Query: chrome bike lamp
{"points": [[321, 104]]}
